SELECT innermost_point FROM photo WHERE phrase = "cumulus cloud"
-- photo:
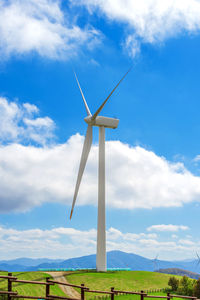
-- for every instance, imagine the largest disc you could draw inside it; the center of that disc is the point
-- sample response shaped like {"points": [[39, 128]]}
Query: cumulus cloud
{"points": [[31, 176], [20, 123], [187, 242], [69, 242], [148, 21], [169, 227], [197, 158], [114, 234], [41, 27]]}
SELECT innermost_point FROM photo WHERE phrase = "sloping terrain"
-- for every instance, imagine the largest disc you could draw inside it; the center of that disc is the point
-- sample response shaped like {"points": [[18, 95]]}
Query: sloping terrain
{"points": [[176, 271], [30, 289], [120, 280], [69, 291]]}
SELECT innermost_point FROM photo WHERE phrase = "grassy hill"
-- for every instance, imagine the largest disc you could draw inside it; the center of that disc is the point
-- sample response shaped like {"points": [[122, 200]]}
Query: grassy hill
{"points": [[30, 289], [176, 271], [120, 280]]}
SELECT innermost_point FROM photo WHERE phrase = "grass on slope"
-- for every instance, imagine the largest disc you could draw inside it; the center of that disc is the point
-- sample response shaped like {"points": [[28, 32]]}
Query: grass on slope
{"points": [[30, 289], [120, 280], [137, 297]]}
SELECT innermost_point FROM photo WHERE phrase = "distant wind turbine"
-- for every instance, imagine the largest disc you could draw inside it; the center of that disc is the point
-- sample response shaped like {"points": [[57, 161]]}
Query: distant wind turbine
{"points": [[198, 260], [102, 123], [155, 262]]}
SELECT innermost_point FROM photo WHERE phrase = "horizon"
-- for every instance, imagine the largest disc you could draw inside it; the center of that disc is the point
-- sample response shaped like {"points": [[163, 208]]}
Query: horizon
{"points": [[94, 254]]}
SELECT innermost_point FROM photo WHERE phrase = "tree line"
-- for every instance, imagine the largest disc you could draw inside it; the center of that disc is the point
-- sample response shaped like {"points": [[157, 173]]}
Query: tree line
{"points": [[185, 286]]}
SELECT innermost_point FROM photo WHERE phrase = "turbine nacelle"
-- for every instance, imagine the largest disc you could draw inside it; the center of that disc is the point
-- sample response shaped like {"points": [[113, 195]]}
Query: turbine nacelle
{"points": [[102, 121]]}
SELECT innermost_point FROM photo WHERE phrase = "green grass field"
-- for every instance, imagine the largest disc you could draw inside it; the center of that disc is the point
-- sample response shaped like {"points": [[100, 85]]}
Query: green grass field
{"points": [[120, 280], [30, 289], [137, 297]]}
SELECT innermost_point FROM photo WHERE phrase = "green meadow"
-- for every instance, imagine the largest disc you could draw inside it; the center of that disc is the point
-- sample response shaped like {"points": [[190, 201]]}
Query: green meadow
{"points": [[30, 289], [120, 280]]}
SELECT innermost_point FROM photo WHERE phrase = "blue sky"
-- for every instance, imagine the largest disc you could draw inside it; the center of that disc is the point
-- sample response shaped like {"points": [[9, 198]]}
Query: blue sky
{"points": [[152, 158]]}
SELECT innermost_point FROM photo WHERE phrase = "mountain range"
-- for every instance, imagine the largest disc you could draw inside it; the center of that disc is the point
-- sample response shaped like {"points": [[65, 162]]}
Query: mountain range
{"points": [[115, 259]]}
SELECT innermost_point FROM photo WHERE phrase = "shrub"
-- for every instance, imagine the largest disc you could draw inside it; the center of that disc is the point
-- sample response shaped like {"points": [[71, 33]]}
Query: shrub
{"points": [[173, 282], [197, 288], [186, 286]]}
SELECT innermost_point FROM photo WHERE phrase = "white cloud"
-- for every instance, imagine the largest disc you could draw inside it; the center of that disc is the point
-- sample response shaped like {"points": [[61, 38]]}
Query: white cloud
{"points": [[149, 21], [134, 236], [18, 123], [187, 242], [169, 227], [114, 234], [132, 45], [31, 176], [41, 27], [70, 242], [197, 158], [174, 236], [30, 108]]}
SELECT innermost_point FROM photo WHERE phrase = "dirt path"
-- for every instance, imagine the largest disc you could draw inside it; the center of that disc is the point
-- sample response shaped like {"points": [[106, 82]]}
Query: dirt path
{"points": [[68, 290]]}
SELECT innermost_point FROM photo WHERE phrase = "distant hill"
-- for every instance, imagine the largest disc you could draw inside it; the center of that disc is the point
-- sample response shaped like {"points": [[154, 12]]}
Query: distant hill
{"points": [[119, 259], [12, 268], [115, 259], [176, 271], [27, 262]]}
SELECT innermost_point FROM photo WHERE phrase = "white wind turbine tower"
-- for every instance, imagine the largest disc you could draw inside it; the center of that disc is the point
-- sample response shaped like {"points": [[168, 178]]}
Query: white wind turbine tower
{"points": [[155, 262], [102, 123], [198, 260]]}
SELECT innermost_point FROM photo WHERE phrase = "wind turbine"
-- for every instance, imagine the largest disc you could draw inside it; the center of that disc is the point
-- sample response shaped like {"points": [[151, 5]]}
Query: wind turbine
{"points": [[102, 123], [198, 260], [155, 262]]}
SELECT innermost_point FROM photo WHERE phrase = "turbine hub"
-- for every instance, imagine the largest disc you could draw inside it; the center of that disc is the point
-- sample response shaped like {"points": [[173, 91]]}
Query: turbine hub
{"points": [[89, 120], [102, 121]]}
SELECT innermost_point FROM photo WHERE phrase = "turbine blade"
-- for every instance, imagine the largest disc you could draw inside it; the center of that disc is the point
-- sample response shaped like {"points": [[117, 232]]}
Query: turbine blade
{"points": [[86, 106], [102, 105], [84, 157]]}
